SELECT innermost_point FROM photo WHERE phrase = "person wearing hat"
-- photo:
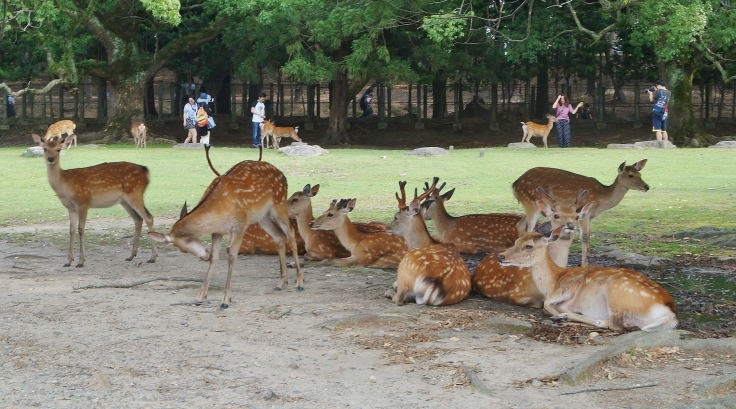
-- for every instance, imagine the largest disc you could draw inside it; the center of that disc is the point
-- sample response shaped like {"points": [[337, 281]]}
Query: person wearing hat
{"points": [[660, 96]]}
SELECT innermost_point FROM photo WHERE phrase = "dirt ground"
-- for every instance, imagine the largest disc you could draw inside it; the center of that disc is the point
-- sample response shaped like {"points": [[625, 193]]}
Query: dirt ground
{"points": [[339, 343]]}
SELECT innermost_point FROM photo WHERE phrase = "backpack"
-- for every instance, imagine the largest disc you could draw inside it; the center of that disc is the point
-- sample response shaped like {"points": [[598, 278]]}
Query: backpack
{"points": [[660, 107], [202, 117]]}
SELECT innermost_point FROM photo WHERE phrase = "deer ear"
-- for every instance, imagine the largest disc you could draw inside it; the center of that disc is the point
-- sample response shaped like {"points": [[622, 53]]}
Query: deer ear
{"points": [[37, 139], [414, 207], [545, 229], [621, 168], [162, 238], [307, 188], [184, 211], [545, 208], [448, 195], [640, 165], [582, 211], [351, 205], [554, 235], [314, 190]]}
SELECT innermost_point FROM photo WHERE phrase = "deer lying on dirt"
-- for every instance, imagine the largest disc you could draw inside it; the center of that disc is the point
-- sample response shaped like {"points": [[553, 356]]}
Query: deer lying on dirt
{"points": [[604, 297], [321, 244], [65, 126], [473, 232], [257, 240], [534, 129], [566, 186], [103, 185], [138, 130], [374, 250], [431, 272], [250, 192], [515, 285], [268, 128]]}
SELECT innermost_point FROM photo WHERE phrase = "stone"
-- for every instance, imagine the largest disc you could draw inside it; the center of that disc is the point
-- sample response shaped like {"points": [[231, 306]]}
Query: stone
{"points": [[302, 149], [429, 151], [509, 325], [34, 152], [521, 145], [724, 144], [620, 146], [631, 260], [654, 145], [189, 146]]}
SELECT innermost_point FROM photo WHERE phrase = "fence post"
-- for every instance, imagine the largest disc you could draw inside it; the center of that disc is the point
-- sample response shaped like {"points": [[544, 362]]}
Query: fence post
{"points": [[409, 105], [457, 125], [637, 99], [61, 102], [494, 108], [424, 96], [525, 115], [160, 101], [319, 102], [733, 102], [601, 124], [388, 101], [532, 104], [4, 108], [709, 124], [233, 107]]}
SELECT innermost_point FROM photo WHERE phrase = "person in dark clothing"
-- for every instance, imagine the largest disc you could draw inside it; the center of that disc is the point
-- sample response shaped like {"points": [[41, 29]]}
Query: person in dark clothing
{"points": [[365, 102]]}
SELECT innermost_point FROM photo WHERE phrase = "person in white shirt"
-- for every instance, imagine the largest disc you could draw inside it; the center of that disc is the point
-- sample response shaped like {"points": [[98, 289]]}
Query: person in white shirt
{"points": [[190, 120], [259, 115]]}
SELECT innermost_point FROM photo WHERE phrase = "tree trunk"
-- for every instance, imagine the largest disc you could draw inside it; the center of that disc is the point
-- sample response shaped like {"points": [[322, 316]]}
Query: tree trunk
{"points": [[439, 96], [681, 119], [339, 97], [125, 102]]}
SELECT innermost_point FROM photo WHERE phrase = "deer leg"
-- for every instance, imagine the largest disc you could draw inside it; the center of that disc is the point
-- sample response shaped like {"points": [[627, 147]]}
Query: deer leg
{"points": [[82, 222], [214, 255], [595, 322], [276, 141], [143, 214], [544, 139], [236, 237], [340, 262], [73, 223], [584, 237], [138, 223], [299, 272]]}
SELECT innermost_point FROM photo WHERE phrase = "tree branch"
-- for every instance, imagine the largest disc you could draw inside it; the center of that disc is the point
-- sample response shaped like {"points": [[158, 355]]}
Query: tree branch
{"points": [[29, 90]]}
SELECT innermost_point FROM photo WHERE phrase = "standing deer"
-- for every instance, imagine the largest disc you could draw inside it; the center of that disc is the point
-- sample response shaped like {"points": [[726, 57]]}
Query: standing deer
{"points": [[139, 132], [604, 297], [431, 272], [103, 185], [250, 192], [474, 232], [374, 250], [269, 129], [534, 129], [65, 126], [515, 285], [566, 185]]}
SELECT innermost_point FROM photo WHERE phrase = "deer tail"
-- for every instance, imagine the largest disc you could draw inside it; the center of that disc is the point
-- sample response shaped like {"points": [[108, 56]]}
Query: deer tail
{"points": [[209, 162], [429, 291]]}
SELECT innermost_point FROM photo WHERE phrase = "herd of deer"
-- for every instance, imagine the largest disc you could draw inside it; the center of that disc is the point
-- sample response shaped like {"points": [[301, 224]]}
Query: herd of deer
{"points": [[526, 262]]}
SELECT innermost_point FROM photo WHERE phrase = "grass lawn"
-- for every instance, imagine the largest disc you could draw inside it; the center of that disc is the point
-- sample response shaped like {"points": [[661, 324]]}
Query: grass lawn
{"points": [[689, 187]]}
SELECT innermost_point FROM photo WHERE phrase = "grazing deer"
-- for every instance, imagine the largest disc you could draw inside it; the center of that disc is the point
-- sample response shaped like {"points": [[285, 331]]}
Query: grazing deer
{"points": [[374, 250], [566, 185], [103, 185], [250, 192], [431, 272], [604, 297], [138, 130], [473, 232], [268, 128], [534, 129], [57, 129], [515, 285], [257, 240]]}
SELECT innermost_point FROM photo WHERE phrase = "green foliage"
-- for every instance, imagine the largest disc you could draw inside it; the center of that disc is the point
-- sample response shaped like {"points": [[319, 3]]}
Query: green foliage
{"points": [[164, 10], [445, 27]]}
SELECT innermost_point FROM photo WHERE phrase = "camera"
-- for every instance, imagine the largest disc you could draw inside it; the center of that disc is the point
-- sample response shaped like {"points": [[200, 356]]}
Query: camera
{"points": [[650, 89]]}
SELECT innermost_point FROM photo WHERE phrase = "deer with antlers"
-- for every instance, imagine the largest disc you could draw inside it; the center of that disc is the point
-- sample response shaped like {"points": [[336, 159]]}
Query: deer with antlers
{"points": [[431, 272], [604, 297], [103, 185], [374, 250], [566, 185], [321, 244], [534, 129], [470, 233], [515, 285], [250, 192]]}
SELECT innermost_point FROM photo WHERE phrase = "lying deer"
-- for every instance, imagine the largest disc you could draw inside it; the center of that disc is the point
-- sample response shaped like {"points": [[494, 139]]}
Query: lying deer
{"points": [[103, 185], [431, 272], [321, 244], [57, 129], [375, 250], [250, 192], [566, 185], [515, 285], [257, 240], [138, 130], [474, 232], [268, 128], [604, 297], [534, 129]]}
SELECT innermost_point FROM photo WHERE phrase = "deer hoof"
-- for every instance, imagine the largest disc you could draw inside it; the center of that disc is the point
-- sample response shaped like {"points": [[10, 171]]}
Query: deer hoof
{"points": [[277, 288], [80, 265], [300, 288], [223, 307], [129, 259], [560, 318], [68, 265], [151, 261]]}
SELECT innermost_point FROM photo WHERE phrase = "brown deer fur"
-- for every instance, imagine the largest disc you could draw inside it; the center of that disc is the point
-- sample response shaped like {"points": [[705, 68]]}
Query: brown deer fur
{"points": [[534, 129]]}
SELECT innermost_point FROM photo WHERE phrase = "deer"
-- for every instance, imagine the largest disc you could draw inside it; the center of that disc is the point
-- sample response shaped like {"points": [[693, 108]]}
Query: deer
{"points": [[321, 244], [374, 250], [474, 232], [268, 128], [257, 240], [534, 129], [431, 272], [566, 185], [250, 192], [604, 297], [99, 186], [65, 126], [138, 130], [515, 285]]}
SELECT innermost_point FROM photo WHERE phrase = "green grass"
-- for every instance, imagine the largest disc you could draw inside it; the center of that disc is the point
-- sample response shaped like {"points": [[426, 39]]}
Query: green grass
{"points": [[689, 187]]}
